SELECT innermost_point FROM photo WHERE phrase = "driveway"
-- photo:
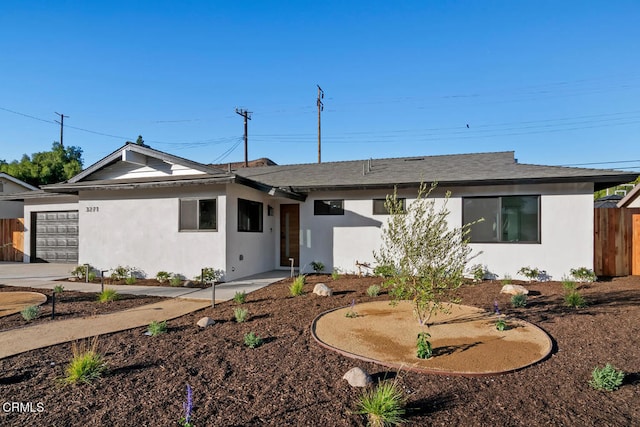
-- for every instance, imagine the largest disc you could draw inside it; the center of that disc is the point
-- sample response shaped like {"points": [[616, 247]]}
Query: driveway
{"points": [[44, 271]]}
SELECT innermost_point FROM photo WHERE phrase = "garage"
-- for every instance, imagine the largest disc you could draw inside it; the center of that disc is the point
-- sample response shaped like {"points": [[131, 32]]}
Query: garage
{"points": [[56, 236]]}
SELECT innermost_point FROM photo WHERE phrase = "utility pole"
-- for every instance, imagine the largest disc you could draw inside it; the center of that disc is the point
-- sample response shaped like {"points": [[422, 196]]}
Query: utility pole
{"points": [[247, 116], [320, 108], [62, 116]]}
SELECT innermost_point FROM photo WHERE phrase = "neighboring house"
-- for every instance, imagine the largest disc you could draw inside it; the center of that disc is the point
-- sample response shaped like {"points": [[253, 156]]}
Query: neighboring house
{"points": [[10, 185], [610, 201], [632, 199], [154, 211]]}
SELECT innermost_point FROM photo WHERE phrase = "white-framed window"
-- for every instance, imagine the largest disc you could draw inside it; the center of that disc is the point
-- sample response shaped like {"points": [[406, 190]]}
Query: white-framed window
{"points": [[506, 219], [328, 207], [250, 216], [198, 215]]}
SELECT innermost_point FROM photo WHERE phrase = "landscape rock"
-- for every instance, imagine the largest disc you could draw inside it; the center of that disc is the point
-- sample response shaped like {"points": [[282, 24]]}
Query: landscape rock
{"points": [[514, 290], [356, 377], [206, 321], [322, 290], [186, 283]]}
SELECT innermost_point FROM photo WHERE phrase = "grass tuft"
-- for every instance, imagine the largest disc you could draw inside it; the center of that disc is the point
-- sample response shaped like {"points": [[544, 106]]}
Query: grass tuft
{"points": [[240, 297], [297, 287], [383, 405], [86, 365], [373, 290], [574, 299], [108, 295], [240, 314], [157, 328], [519, 300]]}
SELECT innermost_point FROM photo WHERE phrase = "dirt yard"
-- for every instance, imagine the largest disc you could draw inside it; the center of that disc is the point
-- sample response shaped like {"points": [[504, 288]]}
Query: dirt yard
{"points": [[291, 380]]}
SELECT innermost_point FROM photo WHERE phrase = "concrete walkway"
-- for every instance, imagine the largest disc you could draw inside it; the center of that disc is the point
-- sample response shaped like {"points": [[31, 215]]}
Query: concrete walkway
{"points": [[42, 276]]}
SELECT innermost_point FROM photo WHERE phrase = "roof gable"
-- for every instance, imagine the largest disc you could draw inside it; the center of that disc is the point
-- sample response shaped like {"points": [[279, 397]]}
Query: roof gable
{"points": [[134, 161], [632, 199], [16, 181]]}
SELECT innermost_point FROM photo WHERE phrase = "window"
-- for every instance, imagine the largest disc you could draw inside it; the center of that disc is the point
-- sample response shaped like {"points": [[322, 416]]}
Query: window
{"points": [[328, 207], [379, 209], [249, 216], [198, 215], [506, 219]]}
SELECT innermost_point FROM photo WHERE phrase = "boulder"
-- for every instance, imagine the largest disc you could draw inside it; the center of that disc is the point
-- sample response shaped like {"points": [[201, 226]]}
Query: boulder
{"points": [[356, 377], [322, 290], [206, 321], [514, 290]]}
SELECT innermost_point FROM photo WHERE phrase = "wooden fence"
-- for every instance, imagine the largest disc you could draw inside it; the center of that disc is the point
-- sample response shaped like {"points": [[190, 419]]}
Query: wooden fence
{"points": [[11, 239], [616, 252]]}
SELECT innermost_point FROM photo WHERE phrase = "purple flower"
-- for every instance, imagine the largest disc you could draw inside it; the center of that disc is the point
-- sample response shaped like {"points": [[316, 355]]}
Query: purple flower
{"points": [[496, 309], [188, 406]]}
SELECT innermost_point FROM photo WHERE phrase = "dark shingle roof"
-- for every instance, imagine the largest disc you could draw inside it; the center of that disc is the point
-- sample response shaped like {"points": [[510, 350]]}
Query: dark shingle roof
{"points": [[457, 169]]}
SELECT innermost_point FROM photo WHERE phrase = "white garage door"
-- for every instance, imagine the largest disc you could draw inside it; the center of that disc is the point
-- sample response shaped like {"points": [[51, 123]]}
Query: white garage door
{"points": [[56, 237]]}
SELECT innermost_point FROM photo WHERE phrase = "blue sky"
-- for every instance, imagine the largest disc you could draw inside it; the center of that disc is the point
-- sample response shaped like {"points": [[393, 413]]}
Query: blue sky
{"points": [[558, 82]]}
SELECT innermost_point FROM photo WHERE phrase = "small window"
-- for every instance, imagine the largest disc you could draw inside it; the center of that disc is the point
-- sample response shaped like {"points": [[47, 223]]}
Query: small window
{"points": [[380, 209], [249, 216], [513, 219], [328, 207], [198, 215]]}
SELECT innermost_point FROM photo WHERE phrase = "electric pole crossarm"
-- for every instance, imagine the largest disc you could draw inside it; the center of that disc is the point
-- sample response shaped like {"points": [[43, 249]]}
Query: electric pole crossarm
{"points": [[320, 109], [62, 116]]}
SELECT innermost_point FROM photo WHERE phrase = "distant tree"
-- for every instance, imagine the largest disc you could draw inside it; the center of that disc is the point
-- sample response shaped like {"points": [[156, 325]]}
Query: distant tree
{"points": [[140, 141], [47, 167]]}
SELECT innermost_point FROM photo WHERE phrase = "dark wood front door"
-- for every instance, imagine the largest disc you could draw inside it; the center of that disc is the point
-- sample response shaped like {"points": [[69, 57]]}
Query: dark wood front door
{"points": [[289, 235]]}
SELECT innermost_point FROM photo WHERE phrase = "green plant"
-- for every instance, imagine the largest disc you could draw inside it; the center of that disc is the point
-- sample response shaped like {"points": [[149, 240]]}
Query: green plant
{"points": [[519, 300], [383, 405], [30, 313], [240, 314], [428, 256], [335, 273], [209, 275], [373, 290], [185, 421], [607, 378], [317, 266], [163, 276], [583, 274], [251, 340], [297, 287], [424, 346], [130, 280], [478, 272], [108, 295], [175, 280], [92, 276], [157, 328], [530, 273], [574, 299], [501, 324], [352, 313], [240, 297], [86, 365], [58, 289], [568, 285], [120, 273], [80, 272], [384, 270], [506, 279]]}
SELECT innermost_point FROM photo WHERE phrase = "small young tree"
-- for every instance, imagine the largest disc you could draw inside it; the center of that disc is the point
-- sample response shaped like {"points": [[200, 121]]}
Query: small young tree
{"points": [[426, 255]]}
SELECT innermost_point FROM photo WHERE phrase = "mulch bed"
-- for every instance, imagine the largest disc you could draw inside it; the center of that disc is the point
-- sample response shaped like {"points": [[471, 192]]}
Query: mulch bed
{"points": [[291, 380], [70, 304]]}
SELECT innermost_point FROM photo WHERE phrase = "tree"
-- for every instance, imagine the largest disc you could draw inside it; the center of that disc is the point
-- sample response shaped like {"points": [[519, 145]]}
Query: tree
{"points": [[140, 141], [47, 167], [424, 257]]}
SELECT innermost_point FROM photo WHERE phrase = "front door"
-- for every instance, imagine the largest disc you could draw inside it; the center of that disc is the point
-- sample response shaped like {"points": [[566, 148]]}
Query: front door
{"points": [[289, 235]]}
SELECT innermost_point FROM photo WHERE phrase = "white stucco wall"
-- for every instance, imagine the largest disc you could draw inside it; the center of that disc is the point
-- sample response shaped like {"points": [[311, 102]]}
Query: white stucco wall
{"points": [[48, 204], [255, 248], [566, 230], [11, 209], [140, 228]]}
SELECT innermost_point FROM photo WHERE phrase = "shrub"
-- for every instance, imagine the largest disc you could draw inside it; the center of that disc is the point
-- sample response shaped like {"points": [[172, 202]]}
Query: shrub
{"points": [[209, 275], [607, 378], [240, 297], [130, 280], [506, 279], [478, 272], [108, 295], [335, 274], [58, 289], [163, 276], [373, 290], [530, 273], [240, 314], [92, 276], [251, 340], [80, 272], [297, 287], [157, 328], [384, 270], [423, 346], [175, 280], [120, 273], [583, 274], [30, 313], [574, 299], [317, 266], [383, 405], [519, 300], [86, 365]]}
